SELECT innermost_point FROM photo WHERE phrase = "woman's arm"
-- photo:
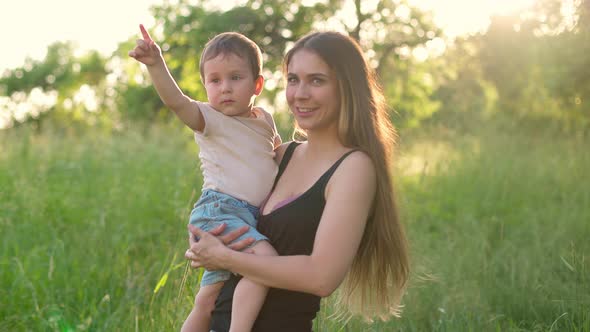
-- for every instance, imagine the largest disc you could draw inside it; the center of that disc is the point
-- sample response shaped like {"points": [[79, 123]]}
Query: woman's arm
{"points": [[337, 240]]}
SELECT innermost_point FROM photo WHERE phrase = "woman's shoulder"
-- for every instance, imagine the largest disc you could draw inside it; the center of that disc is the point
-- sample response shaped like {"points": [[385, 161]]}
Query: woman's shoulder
{"points": [[356, 159], [355, 165], [282, 149]]}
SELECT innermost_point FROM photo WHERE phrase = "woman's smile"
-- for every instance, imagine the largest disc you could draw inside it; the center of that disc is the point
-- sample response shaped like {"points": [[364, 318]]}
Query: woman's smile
{"points": [[312, 91]]}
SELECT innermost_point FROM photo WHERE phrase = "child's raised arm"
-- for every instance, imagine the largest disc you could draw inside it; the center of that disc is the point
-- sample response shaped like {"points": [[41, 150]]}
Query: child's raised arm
{"points": [[148, 52]]}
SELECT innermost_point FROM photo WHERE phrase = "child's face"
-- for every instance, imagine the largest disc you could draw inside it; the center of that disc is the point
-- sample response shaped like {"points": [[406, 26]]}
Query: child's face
{"points": [[231, 87]]}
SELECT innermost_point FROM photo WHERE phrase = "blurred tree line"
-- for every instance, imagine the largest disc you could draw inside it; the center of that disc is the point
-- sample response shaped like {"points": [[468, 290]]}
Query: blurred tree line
{"points": [[529, 68]]}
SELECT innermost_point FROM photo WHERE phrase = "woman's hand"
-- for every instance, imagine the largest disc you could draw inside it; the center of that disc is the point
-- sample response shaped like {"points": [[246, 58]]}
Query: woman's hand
{"points": [[208, 251]]}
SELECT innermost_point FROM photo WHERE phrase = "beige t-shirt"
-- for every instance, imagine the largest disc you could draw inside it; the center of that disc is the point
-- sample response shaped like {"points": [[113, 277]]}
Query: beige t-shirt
{"points": [[237, 153]]}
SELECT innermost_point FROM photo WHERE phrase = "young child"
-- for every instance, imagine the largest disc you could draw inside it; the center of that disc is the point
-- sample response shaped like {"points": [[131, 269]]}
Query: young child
{"points": [[237, 142]]}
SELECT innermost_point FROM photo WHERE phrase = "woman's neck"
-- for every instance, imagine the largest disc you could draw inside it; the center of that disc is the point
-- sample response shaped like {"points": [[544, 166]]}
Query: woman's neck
{"points": [[323, 143]]}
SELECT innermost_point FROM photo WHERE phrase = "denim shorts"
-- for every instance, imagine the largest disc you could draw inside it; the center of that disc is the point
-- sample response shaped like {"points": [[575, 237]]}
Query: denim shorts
{"points": [[215, 208]]}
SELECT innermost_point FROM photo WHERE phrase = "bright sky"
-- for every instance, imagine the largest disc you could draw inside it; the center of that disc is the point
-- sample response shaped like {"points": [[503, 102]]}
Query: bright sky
{"points": [[458, 17], [29, 26]]}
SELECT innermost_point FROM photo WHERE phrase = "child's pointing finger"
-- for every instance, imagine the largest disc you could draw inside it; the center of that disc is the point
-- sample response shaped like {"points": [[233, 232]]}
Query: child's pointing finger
{"points": [[146, 35]]}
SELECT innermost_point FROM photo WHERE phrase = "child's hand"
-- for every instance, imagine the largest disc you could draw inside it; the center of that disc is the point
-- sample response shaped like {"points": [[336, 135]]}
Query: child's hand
{"points": [[146, 51]]}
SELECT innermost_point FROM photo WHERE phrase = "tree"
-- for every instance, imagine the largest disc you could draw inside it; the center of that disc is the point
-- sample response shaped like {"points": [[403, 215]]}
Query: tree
{"points": [[387, 30], [538, 63], [466, 97], [59, 77], [383, 29]]}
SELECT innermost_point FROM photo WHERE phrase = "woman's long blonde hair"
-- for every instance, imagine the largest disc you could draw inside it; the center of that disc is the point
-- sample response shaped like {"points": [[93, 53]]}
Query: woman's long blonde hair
{"points": [[376, 281]]}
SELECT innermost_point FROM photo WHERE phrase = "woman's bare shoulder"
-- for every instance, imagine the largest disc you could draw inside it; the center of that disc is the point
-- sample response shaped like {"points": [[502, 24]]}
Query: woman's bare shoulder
{"points": [[358, 160], [356, 169], [280, 151]]}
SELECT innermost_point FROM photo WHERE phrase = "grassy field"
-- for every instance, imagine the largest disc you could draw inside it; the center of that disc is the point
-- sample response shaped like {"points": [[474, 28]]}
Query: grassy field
{"points": [[499, 226]]}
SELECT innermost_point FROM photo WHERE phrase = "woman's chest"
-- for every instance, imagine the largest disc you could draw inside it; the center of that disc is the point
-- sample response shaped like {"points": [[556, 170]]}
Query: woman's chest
{"points": [[292, 228], [294, 183]]}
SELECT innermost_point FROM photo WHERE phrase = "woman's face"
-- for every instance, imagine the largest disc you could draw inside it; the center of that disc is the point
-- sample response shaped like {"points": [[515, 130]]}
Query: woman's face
{"points": [[312, 91]]}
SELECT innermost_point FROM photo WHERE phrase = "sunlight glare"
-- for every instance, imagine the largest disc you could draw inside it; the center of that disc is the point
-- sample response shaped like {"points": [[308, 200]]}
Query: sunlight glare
{"points": [[83, 22], [93, 25], [459, 17], [5, 117], [21, 106], [87, 97]]}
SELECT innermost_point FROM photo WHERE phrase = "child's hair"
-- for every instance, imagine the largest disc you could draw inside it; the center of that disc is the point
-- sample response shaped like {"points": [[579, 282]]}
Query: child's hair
{"points": [[233, 43], [377, 279]]}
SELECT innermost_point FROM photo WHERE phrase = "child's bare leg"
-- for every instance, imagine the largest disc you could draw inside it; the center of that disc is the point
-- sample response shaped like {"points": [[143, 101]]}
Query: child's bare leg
{"points": [[200, 317], [249, 296]]}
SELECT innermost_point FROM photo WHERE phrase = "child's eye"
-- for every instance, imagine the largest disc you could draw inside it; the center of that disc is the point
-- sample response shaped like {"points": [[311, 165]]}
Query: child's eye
{"points": [[291, 79], [236, 77], [214, 80]]}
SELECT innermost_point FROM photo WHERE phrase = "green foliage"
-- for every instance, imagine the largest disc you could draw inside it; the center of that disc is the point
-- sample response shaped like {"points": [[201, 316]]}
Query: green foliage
{"points": [[275, 25], [60, 74], [138, 102], [123, 91], [390, 29], [272, 24], [91, 223], [408, 88], [529, 68], [507, 209], [55, 70], [464, 94], [60, 70], [539, 66]]}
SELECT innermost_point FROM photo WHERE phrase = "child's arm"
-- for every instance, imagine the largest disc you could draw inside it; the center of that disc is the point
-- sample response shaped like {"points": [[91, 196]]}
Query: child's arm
{"points": [[277, 141], [149, 53]]}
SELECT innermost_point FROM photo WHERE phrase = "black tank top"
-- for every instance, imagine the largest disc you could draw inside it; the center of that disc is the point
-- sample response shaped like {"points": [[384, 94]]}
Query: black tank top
{"points": [[291, 230]]}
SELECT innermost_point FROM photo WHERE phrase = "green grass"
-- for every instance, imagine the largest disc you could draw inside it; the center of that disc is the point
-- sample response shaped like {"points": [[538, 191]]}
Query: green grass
{"points": [[499, 226], [501, 236]]}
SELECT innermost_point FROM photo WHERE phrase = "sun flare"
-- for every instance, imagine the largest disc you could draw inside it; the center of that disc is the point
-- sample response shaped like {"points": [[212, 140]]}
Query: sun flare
{"points": [[459, 17]]}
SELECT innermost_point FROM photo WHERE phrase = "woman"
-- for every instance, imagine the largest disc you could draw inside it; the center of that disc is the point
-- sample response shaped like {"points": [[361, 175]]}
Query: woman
{"points": [[331, 215]]}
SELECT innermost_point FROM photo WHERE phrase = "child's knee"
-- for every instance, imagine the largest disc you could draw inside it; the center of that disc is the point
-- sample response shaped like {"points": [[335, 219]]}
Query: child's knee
{"points": [[206, 297]]}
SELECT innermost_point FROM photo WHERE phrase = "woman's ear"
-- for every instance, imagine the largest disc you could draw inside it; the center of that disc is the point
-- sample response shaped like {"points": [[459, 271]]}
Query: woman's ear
{"points": [[259, 84]]}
